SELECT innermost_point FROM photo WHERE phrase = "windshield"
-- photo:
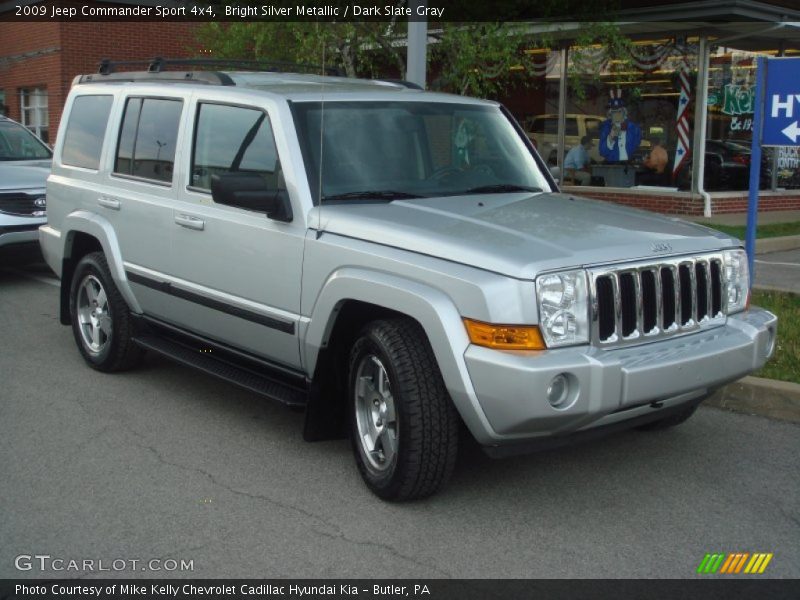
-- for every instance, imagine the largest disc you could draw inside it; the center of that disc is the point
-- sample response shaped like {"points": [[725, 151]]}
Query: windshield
{"points": [[395, 150], [17, 143]]}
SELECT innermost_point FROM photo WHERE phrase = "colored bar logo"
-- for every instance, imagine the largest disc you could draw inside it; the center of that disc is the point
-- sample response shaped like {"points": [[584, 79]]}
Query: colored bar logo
{"points": [[734, 563]]}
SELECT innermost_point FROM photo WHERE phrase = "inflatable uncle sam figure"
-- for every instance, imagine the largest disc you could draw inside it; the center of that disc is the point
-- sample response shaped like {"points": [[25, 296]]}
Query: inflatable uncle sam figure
{"points": [[619, 137]]}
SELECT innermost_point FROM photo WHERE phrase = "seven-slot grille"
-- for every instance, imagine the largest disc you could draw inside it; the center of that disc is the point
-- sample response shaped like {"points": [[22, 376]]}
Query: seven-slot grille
{"points": [[644, 301], [20, 204]]}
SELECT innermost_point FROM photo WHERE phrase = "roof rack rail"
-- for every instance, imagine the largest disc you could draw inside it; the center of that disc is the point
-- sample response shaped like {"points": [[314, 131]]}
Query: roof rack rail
{"points": [[205, 77], [256, 65], [158, 64], [157, 70], [405, 83]]}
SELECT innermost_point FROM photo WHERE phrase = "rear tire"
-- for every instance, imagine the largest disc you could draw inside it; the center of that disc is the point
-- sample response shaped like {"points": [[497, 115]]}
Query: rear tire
{"points": [[101, 321], [404, 427]]}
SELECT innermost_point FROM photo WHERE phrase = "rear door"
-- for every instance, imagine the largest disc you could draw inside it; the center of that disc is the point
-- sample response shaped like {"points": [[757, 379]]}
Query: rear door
{"points": [[141, 194]]}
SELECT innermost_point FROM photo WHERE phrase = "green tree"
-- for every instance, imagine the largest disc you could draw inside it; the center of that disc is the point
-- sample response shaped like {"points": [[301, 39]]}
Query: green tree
{"points": [[478, 59], [357, 48]]}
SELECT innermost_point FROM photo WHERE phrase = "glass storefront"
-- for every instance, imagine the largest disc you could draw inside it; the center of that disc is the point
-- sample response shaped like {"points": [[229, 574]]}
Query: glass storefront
{"points": [[626, 118], [630, 120], [731, 101]]}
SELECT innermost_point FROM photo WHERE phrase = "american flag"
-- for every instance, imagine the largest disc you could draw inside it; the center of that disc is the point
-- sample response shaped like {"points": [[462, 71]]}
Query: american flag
{"points": [[684, 148]]}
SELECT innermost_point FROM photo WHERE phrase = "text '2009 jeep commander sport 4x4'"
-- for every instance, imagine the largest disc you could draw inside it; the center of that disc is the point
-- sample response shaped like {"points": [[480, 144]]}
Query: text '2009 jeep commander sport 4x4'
{"points": [[396, 262]]}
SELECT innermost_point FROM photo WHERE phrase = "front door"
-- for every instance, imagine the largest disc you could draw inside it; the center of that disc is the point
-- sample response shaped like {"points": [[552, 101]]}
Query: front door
{"points": [[238, 272]]}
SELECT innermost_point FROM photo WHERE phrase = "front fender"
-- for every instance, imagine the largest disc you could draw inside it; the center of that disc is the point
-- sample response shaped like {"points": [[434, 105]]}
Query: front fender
{"points": [[430, 307], [100, 229]]}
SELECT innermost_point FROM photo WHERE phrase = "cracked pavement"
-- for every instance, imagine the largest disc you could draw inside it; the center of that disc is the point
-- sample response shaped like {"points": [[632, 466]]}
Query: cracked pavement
{"points": [[164, 462]]}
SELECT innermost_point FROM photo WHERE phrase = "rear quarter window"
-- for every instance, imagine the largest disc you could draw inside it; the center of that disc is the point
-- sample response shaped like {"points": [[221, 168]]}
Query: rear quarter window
{"points": [[148, 138], [86, 128]]}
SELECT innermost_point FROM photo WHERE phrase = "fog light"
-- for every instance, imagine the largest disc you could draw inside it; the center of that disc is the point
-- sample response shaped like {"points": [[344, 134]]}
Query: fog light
{"points": [[558, 391]]}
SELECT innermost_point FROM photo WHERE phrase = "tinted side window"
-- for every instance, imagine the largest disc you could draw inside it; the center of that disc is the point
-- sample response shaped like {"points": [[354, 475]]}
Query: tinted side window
{"points": [[570, 127], [551, 126], [537, 126], [593, 128], [83, 140], [148, 137], [231, 138]]}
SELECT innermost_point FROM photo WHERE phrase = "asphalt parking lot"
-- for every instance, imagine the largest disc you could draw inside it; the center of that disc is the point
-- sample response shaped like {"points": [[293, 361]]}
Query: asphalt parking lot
{"points": [[167, 463]]}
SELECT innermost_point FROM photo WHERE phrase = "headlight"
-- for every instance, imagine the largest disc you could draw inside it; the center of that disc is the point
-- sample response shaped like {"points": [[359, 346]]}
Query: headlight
{"points": [[40, 206], [737, 279], [563, 308]]}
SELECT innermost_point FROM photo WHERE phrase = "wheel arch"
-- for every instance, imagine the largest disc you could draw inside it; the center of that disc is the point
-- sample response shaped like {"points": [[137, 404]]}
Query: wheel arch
{"points": [[84, 233], [353, 297]]}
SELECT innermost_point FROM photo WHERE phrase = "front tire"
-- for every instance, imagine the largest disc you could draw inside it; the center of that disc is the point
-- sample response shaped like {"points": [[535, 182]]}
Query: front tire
{"points": [[101, 321], [403, 424]]}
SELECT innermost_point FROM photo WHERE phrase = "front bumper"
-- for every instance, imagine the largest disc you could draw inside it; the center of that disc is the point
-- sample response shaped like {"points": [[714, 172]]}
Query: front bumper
{"points": [[52, 247], [615, 385], [19, 230]]}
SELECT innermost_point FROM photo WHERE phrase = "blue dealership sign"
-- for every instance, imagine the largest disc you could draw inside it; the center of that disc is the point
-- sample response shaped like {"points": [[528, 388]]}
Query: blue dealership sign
{"points": [[782, 103]]}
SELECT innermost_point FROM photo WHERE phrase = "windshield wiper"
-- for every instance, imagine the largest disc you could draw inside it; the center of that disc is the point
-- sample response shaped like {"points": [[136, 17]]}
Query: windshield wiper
{"points": [[499, 189], [372, 195]]}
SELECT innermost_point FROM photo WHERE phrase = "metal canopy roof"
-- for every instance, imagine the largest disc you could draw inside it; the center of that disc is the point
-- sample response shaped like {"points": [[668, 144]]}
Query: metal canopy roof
{"points": [[752, 25], [711, 10], [763, 35], [746, 24]]}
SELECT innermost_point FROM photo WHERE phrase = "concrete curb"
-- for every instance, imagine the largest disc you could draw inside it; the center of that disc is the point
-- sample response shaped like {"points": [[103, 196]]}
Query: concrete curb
{"points": [[769, 398], [777, 244]]}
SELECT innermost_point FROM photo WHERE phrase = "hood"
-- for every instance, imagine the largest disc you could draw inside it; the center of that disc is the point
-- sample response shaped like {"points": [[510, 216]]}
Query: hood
{"points": [[521, 234], [24, 175]]}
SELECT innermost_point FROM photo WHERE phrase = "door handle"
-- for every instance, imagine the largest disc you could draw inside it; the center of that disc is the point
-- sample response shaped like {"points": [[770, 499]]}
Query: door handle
{"points": [[111, 203], [190, 222]]}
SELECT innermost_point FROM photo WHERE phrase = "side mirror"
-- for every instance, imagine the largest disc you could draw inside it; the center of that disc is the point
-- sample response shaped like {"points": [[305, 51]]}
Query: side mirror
{"points": [[250, 191]]}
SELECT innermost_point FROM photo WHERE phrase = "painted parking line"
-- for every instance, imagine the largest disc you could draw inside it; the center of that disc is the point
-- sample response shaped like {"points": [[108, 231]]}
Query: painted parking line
{"points": [[41, 278], [780, 264]]}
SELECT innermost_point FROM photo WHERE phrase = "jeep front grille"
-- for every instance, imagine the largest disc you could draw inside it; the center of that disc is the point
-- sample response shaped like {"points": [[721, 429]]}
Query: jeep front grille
{"points": [[643, 301], [21, 204]]}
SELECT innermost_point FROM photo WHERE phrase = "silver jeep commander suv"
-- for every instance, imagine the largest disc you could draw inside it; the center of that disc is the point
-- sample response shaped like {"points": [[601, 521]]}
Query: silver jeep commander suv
{"points": [[395, 262]]}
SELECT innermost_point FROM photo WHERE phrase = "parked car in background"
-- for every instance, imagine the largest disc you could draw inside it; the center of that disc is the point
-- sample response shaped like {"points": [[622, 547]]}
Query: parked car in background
{"points": [[727, 167], [543, 132], [24, 167]]}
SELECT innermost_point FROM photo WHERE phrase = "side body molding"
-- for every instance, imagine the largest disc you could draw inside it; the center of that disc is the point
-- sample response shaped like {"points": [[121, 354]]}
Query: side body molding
{"points": [[99, 228], [430, 307]]}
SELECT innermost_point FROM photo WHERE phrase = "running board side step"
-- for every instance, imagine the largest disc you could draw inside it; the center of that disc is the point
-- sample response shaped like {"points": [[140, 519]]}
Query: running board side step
{"points": [[249, 379]]}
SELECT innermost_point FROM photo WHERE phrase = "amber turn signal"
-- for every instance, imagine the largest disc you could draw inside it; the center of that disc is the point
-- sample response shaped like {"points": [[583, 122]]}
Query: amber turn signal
{"points": [[504, 337]]}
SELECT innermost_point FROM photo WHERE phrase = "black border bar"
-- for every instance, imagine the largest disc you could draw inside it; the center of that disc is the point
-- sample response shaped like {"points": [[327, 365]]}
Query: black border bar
{"points": [[711, 588]]}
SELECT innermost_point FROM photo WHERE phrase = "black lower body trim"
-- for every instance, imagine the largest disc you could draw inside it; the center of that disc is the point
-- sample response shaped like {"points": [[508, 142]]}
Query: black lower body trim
{"points": [[249, 372], [579, 437], [242, 313]]}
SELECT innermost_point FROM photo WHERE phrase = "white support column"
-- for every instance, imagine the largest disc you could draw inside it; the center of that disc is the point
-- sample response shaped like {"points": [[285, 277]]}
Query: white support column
{"points": [[562, 111], [700, 125], [417, 45]]}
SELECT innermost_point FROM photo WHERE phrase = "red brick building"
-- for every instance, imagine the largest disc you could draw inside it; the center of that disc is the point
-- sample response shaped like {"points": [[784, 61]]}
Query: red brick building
{"points": [[39, 60]]}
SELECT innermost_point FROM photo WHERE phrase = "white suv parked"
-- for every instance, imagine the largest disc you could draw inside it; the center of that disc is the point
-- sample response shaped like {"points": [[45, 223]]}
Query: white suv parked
{"points": [[396, 262]]}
